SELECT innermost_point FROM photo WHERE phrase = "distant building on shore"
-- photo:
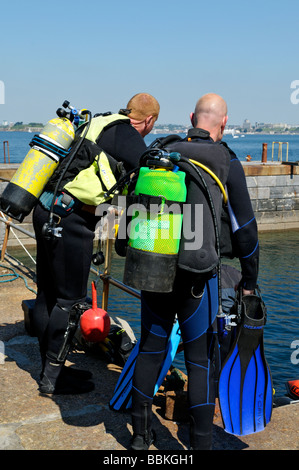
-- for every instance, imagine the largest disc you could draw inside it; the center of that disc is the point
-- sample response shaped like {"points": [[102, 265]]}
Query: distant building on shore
{"points": [[246, 125]]}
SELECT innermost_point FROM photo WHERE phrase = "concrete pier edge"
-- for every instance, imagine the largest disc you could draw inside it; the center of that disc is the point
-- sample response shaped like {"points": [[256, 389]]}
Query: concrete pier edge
{"points": [[29, 421]]}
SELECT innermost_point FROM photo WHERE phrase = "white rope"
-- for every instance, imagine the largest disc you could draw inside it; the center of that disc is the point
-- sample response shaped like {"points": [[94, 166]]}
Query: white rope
{"points": [[32, 259], [23, 246]]}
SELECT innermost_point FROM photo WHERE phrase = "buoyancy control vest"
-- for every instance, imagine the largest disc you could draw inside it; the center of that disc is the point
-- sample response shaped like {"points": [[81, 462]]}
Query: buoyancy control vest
{"points": [[93, 171], [156, 225], [198, 249], [149, 266]]}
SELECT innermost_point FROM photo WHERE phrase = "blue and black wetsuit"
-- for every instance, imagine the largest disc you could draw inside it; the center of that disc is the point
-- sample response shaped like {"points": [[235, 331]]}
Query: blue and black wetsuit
{"points": [[243, 223], [194, 300]]}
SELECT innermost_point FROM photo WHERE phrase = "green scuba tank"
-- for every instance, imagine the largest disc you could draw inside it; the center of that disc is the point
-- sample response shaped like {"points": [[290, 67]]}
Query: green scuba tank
{"points": [[155, 229]]}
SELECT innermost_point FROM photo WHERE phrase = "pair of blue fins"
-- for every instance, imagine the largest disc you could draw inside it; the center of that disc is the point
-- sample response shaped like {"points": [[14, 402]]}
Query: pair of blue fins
{"points": [[245, 385]]}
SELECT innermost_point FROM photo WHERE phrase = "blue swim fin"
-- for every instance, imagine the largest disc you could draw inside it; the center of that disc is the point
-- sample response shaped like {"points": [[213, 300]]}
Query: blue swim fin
{"points": [[245, 382], [122, 397]]}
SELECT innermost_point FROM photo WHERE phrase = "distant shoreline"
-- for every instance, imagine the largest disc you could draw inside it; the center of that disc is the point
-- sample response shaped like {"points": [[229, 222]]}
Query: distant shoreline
{"points": [[39, 129], [28, 129]]}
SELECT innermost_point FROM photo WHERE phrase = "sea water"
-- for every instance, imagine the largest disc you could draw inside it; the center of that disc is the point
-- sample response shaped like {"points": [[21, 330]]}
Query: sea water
{"points": [[278, 274], [249, 144]]}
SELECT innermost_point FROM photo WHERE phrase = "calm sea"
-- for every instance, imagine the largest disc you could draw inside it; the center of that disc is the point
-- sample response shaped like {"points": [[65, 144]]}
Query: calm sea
{"points": [[248, 145], [252, 144], [278, 278]]}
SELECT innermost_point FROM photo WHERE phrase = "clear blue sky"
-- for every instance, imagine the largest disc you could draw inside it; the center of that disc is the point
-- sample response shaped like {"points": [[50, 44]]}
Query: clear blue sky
{"points": [[97, 54]]}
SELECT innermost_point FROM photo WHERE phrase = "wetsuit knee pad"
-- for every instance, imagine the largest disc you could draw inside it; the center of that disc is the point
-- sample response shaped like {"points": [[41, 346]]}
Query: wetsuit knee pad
{"points": [[58, 323]]}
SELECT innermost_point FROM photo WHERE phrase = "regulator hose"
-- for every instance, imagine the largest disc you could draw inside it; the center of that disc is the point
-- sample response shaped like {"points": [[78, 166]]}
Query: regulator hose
{"points": [[48, 229], [194, 165]]}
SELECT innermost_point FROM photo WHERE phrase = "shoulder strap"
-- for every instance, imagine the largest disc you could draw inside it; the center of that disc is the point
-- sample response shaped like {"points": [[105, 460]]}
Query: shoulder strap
{"points": [[101, 122], [162, 142]]}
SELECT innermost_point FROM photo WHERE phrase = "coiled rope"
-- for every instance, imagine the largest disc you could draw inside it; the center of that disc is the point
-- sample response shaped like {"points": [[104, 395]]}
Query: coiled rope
{"points": [[9, 277]]}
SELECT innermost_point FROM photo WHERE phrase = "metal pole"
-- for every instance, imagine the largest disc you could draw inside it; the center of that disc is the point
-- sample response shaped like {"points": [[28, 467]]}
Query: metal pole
{"points": [[120, 285], [264, 154], [279, 151], [6, 236], [105, 276], [6, 142], [8, 222], [108, 257]]}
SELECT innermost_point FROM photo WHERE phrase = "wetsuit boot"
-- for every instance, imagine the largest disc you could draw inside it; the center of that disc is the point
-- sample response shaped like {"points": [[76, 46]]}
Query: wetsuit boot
{"points": [[56, 378], [143, 436], [199, 440], [54, 382], [80, 374], [143, 441]]}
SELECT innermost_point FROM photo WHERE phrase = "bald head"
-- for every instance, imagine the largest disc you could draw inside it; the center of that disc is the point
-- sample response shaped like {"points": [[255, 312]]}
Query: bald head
{"points": [[210, 114]]}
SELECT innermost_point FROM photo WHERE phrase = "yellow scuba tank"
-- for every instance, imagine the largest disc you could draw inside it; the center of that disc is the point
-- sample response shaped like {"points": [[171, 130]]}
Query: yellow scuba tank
{"points": [[155, 230], [27, 184]]}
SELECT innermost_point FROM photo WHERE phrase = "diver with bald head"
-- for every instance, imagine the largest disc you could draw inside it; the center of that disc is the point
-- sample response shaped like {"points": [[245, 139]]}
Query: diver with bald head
{"points": [[194, 298], [211, 114]]}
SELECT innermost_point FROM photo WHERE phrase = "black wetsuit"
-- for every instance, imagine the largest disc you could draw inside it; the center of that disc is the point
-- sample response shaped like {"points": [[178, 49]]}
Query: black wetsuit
{"points": [[63, 264], [195, 301]]}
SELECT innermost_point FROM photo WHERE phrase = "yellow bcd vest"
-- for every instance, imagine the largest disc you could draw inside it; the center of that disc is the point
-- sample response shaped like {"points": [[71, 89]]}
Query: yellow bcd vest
{"points": [[87, 186]]}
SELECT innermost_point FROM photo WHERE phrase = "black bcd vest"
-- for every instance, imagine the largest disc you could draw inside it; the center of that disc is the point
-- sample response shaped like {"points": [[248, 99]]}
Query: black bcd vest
{"points": [[198, 249]]}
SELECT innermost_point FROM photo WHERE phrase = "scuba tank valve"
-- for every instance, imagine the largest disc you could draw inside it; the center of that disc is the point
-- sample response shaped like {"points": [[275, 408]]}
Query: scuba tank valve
{"points": [[75, 116]]}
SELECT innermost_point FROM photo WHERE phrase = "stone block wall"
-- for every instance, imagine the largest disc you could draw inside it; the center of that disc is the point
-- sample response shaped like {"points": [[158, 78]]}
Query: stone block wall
{"points": [[274, 192], [273, 188]]}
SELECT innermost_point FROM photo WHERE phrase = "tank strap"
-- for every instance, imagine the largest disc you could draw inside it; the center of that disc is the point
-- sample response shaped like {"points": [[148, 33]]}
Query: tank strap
{"points": [[101, 122], [49, 148], [153, 203]]}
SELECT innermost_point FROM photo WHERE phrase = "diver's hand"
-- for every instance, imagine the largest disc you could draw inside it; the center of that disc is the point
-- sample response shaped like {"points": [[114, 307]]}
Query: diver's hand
{"points": [[248, 292]]}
